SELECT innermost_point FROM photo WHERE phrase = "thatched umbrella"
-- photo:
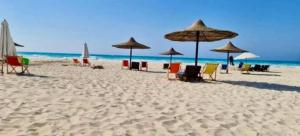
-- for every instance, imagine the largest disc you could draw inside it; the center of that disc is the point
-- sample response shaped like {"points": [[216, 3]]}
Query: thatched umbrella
{"points": [[171, 52], [200, 32], [229, 48], [131, 44]]}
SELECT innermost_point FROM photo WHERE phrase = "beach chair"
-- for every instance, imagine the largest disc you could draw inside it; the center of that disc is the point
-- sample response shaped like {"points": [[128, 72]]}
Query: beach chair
{"points": [[210, 69], [223, 67], [135, 65], [76, 62], [125, 64], [265, 68], [246, 68], [14, 62], [166, 66], [191, 73], [173, 69], [256, 68], [240, 66], [144, 65], [25, 62], [85, 62]]}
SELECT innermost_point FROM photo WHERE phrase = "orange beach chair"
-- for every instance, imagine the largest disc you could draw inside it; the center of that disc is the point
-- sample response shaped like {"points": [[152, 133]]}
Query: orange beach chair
{"points": [[173, 69]]}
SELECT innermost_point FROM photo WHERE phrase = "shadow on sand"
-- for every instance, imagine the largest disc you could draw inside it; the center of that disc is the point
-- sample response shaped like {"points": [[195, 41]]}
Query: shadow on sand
{"points": [[262, 74], [155, 71], [264, 85], [33, 75]]}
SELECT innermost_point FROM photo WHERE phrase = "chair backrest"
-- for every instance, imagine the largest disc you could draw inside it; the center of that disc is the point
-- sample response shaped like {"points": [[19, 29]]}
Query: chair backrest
{"points": [[144, 64], [135, 65], [125, 63], [166, 66], [174, 68], [192, 71], [85, 61], [224, 67], [14, 60], [25, 61], [76, 61], [246, 67], [240, 65], [210, 68]]}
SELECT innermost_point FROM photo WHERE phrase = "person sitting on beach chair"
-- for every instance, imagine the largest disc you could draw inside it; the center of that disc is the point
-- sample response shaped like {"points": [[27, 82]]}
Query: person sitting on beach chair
{"points": [[85, 62], [210, 69], [173, 69], [246, 68], [76, 62]]}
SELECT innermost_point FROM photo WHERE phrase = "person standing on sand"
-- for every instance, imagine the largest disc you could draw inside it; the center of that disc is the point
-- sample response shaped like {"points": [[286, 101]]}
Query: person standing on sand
{"points": [[231, 60]]}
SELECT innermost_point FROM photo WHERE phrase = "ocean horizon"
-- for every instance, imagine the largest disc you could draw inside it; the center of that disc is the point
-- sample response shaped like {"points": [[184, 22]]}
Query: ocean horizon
{"points": [[189, 60]]}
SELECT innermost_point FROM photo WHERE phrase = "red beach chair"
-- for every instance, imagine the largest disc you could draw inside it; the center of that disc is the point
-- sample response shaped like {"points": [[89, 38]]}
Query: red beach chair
{"points": [[14, 62], [174, 69], [125, 64], [85, 62], [144, 65], [76, 62]]}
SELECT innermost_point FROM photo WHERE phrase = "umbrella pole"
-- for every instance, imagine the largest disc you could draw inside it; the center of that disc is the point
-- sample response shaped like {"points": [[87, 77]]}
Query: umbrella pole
{"points": [[170, 60], [130, 58], [227, 62], [197, 44]]}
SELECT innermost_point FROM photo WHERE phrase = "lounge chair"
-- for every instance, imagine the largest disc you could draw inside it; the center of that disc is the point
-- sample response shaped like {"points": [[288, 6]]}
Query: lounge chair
{"points": [[173, 69], [210, 69], [76, 62], [265, 68], [257, 68], [125, 64], [85, 62], [223, 67], [246, 68], [14, 62], [135, 65], [166, 66], [25, 62], [240, 66], [144, 65], [190, 73]]}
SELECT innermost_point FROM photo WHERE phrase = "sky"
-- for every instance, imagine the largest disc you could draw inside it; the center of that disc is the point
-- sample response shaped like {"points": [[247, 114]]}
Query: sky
{"points": [[268, 28]]}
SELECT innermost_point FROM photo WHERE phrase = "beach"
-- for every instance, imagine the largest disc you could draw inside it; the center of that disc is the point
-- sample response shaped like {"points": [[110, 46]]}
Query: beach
{"points": [[59, 98]]}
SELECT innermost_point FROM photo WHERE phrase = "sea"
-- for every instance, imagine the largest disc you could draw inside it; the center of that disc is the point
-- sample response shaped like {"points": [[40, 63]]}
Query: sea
{"points": [[188, 60]]}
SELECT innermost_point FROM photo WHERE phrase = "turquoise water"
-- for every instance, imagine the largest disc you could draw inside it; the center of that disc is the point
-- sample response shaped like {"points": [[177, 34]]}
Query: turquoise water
{"points": [[43, 55]]}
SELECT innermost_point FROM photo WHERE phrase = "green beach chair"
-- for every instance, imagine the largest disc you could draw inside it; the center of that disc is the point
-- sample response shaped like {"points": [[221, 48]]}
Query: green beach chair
{"points": [[25, 62]]}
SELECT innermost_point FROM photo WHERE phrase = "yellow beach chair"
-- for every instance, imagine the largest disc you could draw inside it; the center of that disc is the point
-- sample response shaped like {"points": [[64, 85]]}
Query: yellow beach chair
{"points": [[246, 68], [210, 69]]}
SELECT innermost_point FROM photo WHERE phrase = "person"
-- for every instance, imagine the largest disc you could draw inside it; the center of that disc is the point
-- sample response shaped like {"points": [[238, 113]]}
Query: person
{"points": [[231, 60]]}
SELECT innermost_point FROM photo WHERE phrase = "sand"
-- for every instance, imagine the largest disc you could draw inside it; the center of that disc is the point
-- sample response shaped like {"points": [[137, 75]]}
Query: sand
{"points": [[61, 99]]}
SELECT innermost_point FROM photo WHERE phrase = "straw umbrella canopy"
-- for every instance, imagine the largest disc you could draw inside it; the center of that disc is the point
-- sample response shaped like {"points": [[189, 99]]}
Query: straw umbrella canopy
{"points": [[228, 48], [200, 32], [85, 53], [246, 55], [171, 52], [7, 47], [131, 44]]}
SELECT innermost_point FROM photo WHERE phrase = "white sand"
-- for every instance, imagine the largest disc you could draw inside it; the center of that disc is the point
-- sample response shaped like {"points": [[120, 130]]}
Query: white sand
{"points": [[70, 100]]}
